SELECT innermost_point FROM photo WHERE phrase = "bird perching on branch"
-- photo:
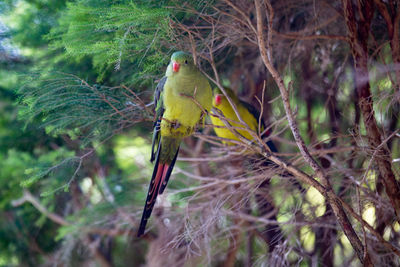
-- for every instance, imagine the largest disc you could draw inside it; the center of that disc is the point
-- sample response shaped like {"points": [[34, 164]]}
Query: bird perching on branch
{"points": [[247, 113], [181, 98]]}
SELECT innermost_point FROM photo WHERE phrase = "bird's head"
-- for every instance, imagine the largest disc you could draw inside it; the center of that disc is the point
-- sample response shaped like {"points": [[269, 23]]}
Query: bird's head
{"points": [[220, 98], [182, 63]]}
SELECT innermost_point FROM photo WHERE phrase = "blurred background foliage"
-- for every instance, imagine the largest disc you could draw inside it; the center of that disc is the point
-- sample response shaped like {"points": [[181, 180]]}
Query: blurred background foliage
{"points": [[76, 85]]}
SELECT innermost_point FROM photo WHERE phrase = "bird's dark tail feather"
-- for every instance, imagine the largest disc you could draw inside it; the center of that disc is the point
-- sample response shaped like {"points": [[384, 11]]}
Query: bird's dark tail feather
{"points": [[158, 183], [155, 139], [169, 171]]}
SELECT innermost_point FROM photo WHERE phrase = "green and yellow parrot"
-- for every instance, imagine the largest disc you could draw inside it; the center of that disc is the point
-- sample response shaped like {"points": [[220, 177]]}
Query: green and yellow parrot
{"points": [[248, 114], [180, 99]]}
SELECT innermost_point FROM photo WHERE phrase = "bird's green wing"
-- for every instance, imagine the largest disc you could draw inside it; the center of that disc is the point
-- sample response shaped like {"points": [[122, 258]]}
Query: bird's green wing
{"points": [[159, 111], [253, 112]]}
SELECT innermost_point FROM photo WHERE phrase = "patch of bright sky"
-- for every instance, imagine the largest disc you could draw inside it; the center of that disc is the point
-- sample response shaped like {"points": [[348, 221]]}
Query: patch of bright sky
{"points": [[133, 151], [388, 231], [316, 200], [91, 190], [382, 89], [307, 237], [347, 248], [10, 51], [12, 20], [369, 215]]}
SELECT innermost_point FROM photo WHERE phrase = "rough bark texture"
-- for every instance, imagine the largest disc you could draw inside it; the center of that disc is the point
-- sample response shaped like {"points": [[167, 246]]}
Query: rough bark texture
{"points": [[358, 31], [328, 192]]}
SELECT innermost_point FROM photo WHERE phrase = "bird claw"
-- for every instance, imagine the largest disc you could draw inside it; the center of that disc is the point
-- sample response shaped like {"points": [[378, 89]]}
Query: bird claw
{"points": [[175, 125]]}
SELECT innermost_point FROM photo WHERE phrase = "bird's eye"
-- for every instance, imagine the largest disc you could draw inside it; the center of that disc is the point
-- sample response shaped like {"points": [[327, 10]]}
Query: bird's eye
{"points": [[186, 62]]}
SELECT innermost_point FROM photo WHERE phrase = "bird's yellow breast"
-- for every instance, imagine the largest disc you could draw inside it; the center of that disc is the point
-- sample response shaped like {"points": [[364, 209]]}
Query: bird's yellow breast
{"points": [[230, 114], [181, 112]]}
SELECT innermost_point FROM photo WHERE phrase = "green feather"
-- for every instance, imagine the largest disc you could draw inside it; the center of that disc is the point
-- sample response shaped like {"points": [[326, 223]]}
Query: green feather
{"points": [[180, 100]]}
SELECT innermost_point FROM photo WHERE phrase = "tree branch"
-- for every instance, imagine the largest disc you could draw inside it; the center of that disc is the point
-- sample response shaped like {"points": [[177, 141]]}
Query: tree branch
{"points": [[28, 197], [359, 32], [331, 197]]}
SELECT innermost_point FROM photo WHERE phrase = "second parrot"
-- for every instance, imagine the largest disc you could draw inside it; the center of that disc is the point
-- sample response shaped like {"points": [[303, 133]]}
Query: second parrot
{"points": [[247, 113]]}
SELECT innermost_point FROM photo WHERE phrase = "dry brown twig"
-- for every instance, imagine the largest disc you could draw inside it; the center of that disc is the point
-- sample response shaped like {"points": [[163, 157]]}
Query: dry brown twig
{"points": [[235, 22], [328, 192]]}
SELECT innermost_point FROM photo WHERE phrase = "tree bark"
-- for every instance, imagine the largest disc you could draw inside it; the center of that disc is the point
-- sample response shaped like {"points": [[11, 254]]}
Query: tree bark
{"points": [[328, 192], [358, 31]]}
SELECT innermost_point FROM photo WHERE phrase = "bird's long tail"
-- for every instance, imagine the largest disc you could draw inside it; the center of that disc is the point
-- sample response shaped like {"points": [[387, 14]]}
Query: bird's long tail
{"points": [[159, 180]]}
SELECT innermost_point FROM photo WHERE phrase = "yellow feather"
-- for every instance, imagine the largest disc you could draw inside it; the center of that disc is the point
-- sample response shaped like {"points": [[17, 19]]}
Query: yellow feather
{"points": [[227, 110], [181, 112]]}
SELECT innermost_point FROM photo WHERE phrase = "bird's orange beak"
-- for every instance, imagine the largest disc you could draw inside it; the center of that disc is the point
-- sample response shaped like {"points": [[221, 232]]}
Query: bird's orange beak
{"points": [[175, 66], [218, 99]]}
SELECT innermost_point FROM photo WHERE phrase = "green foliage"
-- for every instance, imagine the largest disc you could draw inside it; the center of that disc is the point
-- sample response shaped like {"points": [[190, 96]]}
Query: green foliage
{"points": [[12, 168], [44, 167], [30, 20], [75, 137], [67, 104], [61, 113], [116, 36]]}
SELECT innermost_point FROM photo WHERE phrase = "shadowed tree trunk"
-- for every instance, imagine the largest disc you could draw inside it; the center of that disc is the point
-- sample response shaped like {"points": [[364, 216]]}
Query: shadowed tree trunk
{"points": [[358, 31]]}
